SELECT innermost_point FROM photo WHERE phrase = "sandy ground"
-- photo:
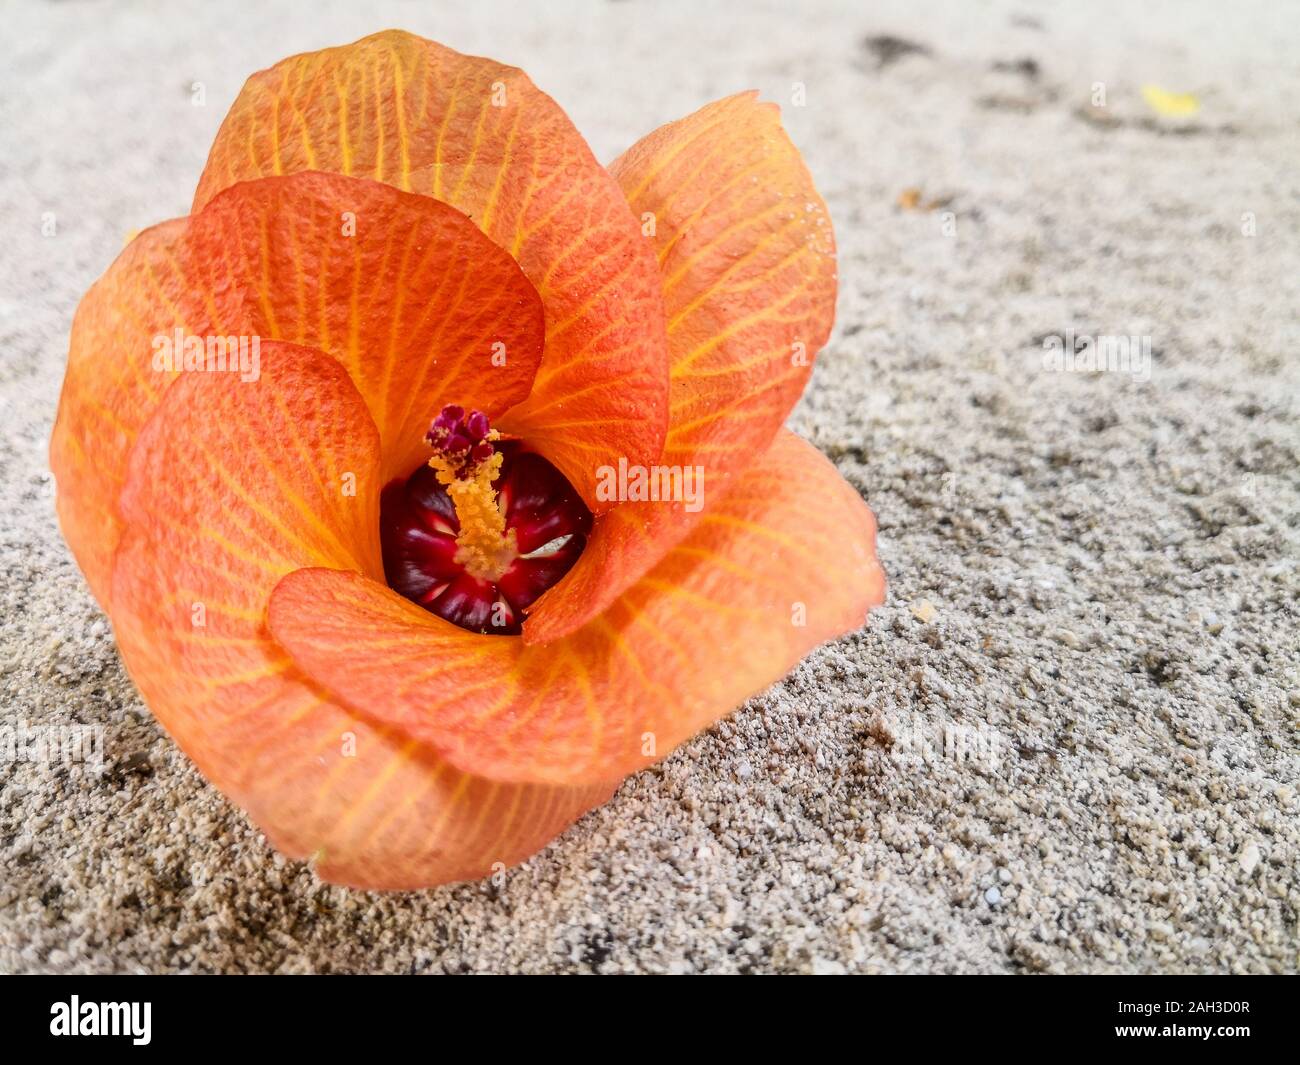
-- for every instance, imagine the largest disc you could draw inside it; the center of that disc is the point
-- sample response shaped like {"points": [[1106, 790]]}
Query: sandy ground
{"points": [[1069, 741]]}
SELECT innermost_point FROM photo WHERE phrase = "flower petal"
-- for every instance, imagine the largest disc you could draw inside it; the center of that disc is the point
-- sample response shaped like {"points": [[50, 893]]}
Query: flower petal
{"points": [[232, 485], [480, 136], [412, 303], [110, 390], [784, 562], [748, 259], [405, 291], [747, 254]]}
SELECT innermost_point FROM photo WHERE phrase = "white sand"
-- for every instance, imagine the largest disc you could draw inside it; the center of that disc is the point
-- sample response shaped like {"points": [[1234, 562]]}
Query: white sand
{"points": [[1111, 563]]}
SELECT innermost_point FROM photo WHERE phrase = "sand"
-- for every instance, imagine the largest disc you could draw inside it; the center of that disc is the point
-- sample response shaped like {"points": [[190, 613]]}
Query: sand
{"points": [[1067, 744]]}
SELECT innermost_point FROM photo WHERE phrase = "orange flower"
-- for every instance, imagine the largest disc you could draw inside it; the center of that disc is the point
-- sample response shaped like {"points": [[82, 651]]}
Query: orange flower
{"points": [[396, 230]]}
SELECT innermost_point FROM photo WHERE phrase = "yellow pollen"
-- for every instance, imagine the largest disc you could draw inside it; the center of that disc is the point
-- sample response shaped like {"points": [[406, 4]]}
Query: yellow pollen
{"points": [[484, 547]]}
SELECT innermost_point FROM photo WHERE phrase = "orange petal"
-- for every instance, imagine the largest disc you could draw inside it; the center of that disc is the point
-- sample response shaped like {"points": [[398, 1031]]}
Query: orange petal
{"points": [[420, 306], [747, 253], [784, 562], [110, 390], [415, 304], [482, 137], [748, 259], [231, 486]]}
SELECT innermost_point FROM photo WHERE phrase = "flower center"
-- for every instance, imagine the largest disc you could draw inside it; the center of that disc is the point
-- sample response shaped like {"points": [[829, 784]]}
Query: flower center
{"points": [[478, 534]]}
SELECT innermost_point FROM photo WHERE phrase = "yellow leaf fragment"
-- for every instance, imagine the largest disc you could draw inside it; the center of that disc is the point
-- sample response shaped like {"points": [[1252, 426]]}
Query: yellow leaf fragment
{"points": [[1170, 104]]}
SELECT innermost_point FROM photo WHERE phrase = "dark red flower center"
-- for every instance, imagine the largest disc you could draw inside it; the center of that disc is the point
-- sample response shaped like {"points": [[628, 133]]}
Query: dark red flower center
{"points": [[478, 534]]}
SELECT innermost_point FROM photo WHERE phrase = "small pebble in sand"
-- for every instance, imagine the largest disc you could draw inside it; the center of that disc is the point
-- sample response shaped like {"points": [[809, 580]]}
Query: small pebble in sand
{"points": [[1004, 875], [1249, 858], [993, 896], [924, 611], [744, 771]]}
